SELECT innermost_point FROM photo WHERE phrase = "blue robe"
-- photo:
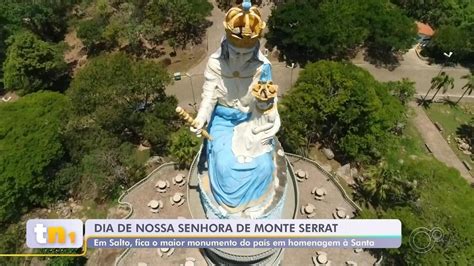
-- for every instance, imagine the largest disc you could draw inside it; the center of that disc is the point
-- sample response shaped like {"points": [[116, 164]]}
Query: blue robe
{"points": [[232, 183]]}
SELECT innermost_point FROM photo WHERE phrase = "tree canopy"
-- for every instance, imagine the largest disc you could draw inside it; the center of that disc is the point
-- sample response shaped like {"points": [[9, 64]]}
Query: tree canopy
{"points": [[31, 149], [442, 200], [437, 13], [124, 97], [32, 64], [453, 21], [183, 147], [341, 106], [456, 39], [47, 19], [3, 36], [308, 30], [182, 20], [133, 25], [117, 103], [389, 28]]}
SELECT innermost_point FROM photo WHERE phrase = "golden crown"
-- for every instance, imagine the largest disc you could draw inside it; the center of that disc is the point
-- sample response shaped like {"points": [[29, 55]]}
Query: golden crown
{"points": [[264, 91], [243, 25]]}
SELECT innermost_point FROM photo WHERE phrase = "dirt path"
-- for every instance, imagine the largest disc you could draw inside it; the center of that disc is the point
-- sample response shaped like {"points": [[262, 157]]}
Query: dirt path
{"points": [[436, 143], [76, 55]]}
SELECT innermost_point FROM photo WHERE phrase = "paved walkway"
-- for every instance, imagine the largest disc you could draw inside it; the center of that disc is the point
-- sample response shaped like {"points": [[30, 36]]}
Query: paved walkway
{"points": [[437, 144], [138, 198]]}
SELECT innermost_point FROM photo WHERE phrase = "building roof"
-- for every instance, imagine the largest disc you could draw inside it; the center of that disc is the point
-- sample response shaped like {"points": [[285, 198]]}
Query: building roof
{"points": [[424, 29]]}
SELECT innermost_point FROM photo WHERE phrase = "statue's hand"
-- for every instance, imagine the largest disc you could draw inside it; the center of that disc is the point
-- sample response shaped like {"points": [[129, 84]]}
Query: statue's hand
{"points": [[266, 141], [197, 127]]}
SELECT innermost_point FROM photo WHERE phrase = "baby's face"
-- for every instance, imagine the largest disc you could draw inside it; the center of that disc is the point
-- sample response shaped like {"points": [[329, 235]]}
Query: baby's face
{"points": [[261, 105]]}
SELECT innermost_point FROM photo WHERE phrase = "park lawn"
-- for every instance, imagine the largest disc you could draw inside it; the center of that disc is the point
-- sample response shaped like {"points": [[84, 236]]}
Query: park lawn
{"points": [[451, 118], [411, 142], [408, 145], [142, 156]]}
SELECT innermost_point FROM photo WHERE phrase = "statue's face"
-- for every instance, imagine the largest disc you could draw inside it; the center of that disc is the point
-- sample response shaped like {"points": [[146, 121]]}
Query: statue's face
{"points": [[240, 55]]}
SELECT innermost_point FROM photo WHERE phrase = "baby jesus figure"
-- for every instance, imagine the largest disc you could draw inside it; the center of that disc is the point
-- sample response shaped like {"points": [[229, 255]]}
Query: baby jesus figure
{"points": [[255, 136]]}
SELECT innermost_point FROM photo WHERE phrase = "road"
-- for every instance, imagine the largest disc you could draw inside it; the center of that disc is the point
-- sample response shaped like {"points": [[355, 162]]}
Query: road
{"points": [[416, 70], [411, 67]]}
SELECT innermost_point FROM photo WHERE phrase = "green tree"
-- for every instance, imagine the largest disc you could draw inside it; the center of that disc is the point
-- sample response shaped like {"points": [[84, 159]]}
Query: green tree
{"points": [[453, 21], [138, 26], [291, 29], [100, 164], [63, 261], [3, 37], [468, 87], [437, 13], [437, 207], [404, 90], [32, 65], [47, 19], [103, 172], [441, 81], [182, 20], [343, 107], [456, 39], [31, 151], [390, 29], [387, 185], [91, 33], [124, 97], [120, 24], [183, 147], [341, 27], [117, 103], [430, 195], [10, 244]]}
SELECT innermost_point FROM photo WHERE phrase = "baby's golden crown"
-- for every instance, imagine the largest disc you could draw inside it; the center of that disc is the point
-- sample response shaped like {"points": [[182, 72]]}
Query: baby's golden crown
{"points": [[243, 25], [264, 91]]}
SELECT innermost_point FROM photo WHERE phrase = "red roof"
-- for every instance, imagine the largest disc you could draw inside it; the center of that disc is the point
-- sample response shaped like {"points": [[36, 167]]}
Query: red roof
{"points": [[424, 29]]}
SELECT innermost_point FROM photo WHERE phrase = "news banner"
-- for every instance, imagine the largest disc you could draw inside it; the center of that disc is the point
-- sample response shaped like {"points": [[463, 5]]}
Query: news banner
{"points": [[184, 233]]}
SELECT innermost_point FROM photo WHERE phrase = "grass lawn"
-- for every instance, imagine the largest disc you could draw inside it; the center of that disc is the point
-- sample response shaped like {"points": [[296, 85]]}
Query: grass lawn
{"points": [[142, 156], [451, 118]]}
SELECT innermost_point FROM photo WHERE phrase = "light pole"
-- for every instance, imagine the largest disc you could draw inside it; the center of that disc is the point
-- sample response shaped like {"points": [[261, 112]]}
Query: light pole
{"points": [[291, 75], [192, 90], [292, 66]]}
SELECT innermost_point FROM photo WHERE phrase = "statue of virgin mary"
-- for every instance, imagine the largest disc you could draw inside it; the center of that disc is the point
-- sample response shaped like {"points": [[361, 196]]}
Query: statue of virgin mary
{"points": [[240, 165]]}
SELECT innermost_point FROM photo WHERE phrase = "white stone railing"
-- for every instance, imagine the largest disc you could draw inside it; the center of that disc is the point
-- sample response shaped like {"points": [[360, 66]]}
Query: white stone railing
{"points": [[333, 177], [130, 206]]}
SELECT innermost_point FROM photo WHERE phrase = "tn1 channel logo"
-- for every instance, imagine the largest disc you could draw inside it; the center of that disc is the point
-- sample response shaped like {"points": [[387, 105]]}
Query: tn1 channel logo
{"points": [[54, 233]]}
